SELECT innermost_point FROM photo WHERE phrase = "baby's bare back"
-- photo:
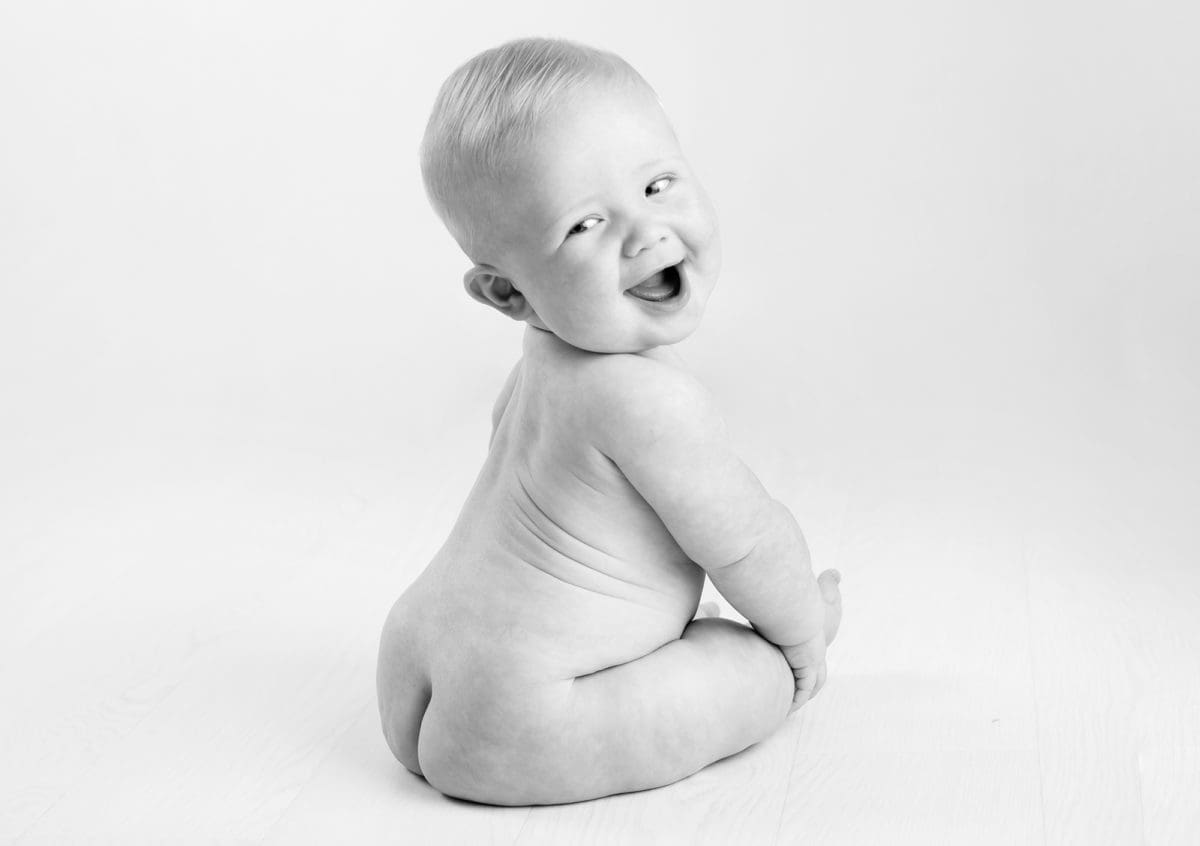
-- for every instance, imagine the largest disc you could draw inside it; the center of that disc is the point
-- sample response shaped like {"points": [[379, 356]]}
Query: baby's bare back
{"points": [[554, 630], [562, 565], [556, 567]]}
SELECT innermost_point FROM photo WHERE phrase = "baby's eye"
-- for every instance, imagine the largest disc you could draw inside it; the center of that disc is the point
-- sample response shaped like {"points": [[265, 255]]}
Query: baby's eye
{"points": [[583, 226], [659, 185]]}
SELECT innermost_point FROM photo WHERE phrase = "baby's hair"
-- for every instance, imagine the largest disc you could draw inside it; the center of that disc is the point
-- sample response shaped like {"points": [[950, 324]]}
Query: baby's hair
{"points": [[493, 102]]}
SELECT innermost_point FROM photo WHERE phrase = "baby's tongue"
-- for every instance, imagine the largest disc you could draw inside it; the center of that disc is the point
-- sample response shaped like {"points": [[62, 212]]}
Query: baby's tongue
{"points": [[657, 287]]}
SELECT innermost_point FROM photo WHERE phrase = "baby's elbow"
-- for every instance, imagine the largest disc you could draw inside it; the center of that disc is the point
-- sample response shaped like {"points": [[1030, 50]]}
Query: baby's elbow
{"points": [[777, 535]]}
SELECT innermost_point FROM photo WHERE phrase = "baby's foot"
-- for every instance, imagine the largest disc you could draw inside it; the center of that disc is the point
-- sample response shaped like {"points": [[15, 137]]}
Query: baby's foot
{"points": [[832, 594]]}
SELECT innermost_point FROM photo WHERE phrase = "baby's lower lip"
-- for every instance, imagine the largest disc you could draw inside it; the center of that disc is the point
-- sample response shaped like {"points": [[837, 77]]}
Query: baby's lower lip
{"points": [[665, 297], [661, 286]]}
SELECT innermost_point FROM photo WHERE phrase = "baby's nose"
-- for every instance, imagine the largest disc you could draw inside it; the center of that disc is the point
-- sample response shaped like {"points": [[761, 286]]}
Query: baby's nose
{"points": [[645, 234]]}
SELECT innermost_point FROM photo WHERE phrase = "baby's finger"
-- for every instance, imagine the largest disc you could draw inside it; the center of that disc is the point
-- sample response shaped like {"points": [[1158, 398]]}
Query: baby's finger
{"points": [[806, 681], [809, 681], [822, 674]]}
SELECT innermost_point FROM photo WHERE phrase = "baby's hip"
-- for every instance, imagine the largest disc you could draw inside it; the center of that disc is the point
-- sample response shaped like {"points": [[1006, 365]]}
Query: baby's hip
{"points": [[652, 720]]}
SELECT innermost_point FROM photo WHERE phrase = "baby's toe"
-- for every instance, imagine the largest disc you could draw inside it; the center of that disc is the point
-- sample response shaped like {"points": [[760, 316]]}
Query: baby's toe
{"points": [[828, 582], [832, 594]]}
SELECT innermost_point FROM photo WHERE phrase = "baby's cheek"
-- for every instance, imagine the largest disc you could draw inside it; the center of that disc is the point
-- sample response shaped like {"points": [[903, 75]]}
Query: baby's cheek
{"points": [[709, 213], [700, 219]]}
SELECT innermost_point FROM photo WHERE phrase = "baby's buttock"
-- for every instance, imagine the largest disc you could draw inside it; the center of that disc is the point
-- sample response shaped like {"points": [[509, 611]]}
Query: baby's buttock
{"points": [[497, 637], [500, 642]]}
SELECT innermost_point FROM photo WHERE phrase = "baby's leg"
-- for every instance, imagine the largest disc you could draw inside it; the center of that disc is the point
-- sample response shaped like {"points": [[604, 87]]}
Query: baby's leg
{"points": [[642, 724], [717, 690]]}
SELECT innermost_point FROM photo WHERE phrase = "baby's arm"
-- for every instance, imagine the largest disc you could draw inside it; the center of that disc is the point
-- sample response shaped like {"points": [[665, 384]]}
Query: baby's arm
{"points": [[662, 430]]}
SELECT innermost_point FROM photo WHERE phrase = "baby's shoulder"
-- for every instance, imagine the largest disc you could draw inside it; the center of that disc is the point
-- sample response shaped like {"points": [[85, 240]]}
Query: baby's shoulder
{"points": [[635, 380], [636, 398]]}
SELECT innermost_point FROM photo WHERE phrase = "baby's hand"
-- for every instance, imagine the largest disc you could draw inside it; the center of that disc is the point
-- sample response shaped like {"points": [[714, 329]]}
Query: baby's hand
{"points": [[807, 659]]}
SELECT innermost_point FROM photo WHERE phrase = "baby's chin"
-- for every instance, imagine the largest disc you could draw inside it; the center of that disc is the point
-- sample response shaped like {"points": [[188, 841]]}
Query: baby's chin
{"points": [[640, 343], [648, 326]]}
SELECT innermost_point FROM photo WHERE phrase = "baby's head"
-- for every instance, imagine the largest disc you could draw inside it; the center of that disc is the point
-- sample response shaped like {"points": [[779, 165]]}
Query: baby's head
{"points": [[554, 167]]}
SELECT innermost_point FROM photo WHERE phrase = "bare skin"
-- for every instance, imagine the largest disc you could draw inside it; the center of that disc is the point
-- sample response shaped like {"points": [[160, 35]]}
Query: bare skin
{"points": [[548, 654]]}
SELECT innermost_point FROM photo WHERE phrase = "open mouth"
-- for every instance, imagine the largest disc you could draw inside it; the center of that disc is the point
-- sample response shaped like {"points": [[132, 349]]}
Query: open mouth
{"points": [[659, 287]]}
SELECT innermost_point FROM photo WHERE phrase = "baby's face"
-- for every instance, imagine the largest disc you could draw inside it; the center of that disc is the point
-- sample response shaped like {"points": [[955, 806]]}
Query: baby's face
{"points": [[604, 228]]}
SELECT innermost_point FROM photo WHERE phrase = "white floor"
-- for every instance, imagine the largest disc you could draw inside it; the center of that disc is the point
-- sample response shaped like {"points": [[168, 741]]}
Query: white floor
{"points": [[188, 630]]}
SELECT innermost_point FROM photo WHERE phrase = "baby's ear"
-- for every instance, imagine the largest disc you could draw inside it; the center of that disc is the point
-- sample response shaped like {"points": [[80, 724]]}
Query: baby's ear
{"points": [[486, 284]]}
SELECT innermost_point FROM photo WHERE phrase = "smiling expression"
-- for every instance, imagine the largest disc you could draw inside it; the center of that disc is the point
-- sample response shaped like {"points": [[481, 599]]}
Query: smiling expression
{"points": [[602, 226]]}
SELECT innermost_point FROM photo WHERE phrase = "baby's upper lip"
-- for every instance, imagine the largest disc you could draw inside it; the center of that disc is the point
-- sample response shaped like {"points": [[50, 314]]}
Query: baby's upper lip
{"points": [[658, 269]]}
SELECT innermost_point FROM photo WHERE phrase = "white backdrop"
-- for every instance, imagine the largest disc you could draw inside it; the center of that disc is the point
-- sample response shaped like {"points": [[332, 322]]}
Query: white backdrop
{"points": [[242, 392], [211, 215]]}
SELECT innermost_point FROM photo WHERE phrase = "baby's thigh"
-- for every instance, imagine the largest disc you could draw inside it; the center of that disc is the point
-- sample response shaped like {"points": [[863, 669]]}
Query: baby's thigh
{"points": [[642, 724], [712, 693]]}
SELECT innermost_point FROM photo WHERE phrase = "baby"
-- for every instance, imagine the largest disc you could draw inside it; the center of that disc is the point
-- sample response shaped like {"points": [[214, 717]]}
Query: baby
{"points": [[549, 652]]}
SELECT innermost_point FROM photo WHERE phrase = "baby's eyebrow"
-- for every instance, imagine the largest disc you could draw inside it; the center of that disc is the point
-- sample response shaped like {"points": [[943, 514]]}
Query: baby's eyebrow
{"points": [[672, 161]]}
